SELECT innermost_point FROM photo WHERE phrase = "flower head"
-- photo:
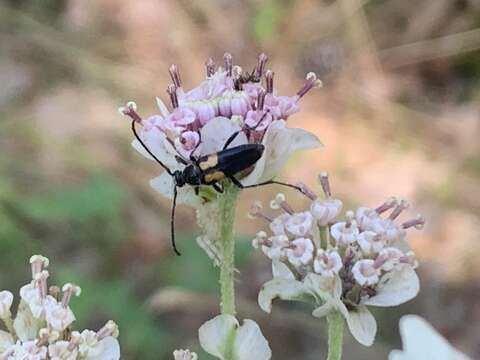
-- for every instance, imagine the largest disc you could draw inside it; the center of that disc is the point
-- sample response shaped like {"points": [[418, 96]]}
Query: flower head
{"points": [[341, 265], [43, 324]]}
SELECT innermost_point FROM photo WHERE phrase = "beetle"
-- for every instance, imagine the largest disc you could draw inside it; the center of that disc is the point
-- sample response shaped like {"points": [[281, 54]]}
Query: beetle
{"points": [[211, 170]]}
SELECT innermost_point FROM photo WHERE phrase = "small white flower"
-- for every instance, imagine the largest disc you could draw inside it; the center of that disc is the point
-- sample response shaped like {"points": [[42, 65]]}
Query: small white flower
{"points": [[300, 251], [6, 299], [61, 350], [392, 258], [327, 263], [365, 272], [370, 242], [299, 224], [421, 342], [28, 351], [184, 355], [344, 232], [246, 341], [277, 248], [25, 324], [93, 348], [325, 211], [278, 224], [58, 316]]}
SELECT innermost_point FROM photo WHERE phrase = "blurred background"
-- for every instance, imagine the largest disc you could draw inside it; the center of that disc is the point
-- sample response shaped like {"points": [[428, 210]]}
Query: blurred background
{"points": [[399, 115]]}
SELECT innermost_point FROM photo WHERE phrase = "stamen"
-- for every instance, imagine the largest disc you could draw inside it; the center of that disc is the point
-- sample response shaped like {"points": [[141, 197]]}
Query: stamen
{"points": [[260, 68], [43, 336], [269, 81], [172, 92], [54, 291], [256, 212], [398, 209], [261, 239], [261, 99], [312, 82], [75, 340], [280, 203], [38, 262], [387, 205], [237, 73], [41, 282], [228, 60], [306, 190], [418, 223], [109, 329], [323, 178], [175, 75], [69, 290], [210, 67], [130, 110], [350, 215]]}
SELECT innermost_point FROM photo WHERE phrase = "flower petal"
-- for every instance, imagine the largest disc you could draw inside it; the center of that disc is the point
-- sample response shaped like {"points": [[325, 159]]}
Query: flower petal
{"points": [[421, 341], [25, 325], [215, 334], [362, 325], [280, 270], [164, 185], [215, 134], [6, 340], [250, 343], [395, 288], [280, 142], [285, 289], [156, 142]]}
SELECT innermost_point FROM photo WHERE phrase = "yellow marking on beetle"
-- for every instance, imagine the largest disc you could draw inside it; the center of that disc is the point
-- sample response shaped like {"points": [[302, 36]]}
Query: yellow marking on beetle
{"points": [[215, 176], [211, 162]]}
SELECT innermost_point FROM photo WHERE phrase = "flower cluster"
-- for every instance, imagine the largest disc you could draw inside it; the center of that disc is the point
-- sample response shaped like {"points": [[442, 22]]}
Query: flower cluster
{"points": [[339, 265], [202, 119], [42, 329]]}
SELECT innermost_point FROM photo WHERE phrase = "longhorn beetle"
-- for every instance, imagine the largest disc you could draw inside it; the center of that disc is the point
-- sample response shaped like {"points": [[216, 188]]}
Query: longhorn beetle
{"points": [[211, 169]]}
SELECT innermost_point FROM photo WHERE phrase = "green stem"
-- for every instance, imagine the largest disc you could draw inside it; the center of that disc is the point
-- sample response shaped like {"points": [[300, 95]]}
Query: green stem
{"points": [[228, 203], [335, 335], [324, 235]]}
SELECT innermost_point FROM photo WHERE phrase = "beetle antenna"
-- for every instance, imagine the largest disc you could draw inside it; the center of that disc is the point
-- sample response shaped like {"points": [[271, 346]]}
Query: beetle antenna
{"points": [[134, 130], [172, 222]]}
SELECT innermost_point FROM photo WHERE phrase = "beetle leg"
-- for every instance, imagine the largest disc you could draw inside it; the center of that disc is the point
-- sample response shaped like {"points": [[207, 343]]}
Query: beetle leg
{"points": [[237, 183], [218, 188], [181, 160], [230, 139], [197, 190]]}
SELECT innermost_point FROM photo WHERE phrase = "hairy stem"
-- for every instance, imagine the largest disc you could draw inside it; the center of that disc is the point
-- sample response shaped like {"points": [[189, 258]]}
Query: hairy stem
{"points": [[228, 203], [335, 335]]}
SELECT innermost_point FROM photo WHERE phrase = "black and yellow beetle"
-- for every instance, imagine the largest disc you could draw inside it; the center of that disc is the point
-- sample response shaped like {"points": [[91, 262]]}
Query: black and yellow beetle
{"points": [[212, 169]]}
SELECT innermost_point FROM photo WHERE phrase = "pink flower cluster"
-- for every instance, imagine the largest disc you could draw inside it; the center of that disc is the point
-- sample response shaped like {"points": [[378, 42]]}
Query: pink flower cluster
{"points": [[249, 100]]}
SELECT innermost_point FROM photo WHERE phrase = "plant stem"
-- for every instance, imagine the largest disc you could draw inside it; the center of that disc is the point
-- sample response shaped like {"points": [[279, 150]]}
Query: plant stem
{"points": [[324, 235], [335, 335], [228, 204]]}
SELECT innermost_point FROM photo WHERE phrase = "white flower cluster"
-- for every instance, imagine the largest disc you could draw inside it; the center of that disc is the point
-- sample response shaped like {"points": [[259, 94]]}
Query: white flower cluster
{"points": [[42, 329], [339, 265]]}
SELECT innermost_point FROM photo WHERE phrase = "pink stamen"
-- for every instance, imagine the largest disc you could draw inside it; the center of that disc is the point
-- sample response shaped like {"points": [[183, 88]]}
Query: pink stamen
{"points": [[227, 58], [418, 223], [260, 68], [387, 205], [210, 66], [325, 183], [172, 92], [269, 81], [175, 75], [307, 191], [398, 210]]}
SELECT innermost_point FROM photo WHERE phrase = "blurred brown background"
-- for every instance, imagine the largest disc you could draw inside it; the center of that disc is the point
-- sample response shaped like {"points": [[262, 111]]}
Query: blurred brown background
{"points": [[399, 115]]}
